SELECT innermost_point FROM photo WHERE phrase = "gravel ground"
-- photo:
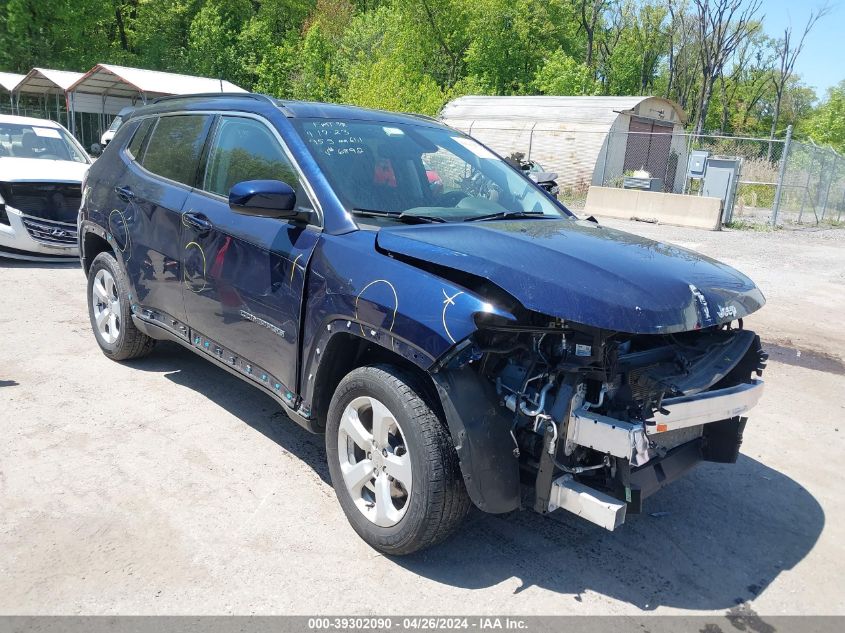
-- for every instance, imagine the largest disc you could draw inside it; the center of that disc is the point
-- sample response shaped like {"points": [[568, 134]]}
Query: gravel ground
{"points": [[167, 486]]}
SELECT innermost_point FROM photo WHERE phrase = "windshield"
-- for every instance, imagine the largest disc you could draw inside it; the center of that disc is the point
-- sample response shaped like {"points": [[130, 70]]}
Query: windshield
{"points": [[418, 171], [33, 141]]}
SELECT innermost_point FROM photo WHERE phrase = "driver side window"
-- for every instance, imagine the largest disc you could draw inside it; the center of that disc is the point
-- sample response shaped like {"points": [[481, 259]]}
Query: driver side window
{"points": [[244, 149]]}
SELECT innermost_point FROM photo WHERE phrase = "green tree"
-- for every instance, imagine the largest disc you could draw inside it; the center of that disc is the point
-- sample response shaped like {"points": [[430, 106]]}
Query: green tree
{"points": [[826, 124], [708, 55], [562, 75], [380, 64], [632, 48], [510, 40], [315, 78], [277, 67], [160, 33], [56, 33], [388, 84], [213, 39]]}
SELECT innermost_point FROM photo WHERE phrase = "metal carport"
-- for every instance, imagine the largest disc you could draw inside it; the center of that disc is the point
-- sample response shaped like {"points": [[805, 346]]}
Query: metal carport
{"points": [[43, 83], [8, 82], [107, 88], [99, 93]]}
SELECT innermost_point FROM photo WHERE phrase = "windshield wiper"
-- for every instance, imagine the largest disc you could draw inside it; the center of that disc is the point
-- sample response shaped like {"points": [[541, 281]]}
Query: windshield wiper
{"points": [[506, 215], [412, 218], [407, 218]]}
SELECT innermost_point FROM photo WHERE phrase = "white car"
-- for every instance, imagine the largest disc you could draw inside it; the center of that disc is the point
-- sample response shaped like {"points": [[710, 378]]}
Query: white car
{"points": [[117, 121], [41, 171]]}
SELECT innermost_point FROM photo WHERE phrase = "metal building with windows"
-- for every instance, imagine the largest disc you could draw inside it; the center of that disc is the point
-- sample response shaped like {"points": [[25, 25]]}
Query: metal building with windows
{"points": [[585, 140]]}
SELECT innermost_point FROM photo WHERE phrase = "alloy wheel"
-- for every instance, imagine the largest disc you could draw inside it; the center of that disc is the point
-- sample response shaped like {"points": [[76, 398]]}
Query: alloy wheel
{"points": [[374, 461], [106, 305]]}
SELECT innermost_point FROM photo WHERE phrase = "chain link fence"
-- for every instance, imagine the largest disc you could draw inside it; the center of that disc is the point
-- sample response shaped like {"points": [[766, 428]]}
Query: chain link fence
{"points": [[813, 185], [778, 181]]}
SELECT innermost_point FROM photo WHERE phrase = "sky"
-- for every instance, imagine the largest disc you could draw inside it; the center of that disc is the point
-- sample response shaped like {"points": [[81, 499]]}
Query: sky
{"points": [[822, 62]]}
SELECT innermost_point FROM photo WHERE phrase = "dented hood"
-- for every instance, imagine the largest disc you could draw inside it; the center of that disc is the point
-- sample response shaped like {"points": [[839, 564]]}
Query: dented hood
{"points": [[585, 273]]}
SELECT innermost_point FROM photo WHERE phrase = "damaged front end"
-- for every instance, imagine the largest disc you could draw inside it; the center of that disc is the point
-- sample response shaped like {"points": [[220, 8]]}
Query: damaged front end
{"points": [[590, 420], [610, 365]]}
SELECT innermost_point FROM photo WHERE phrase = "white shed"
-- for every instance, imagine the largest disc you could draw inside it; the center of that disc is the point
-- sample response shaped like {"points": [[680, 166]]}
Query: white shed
{"points": [[586, 140]]}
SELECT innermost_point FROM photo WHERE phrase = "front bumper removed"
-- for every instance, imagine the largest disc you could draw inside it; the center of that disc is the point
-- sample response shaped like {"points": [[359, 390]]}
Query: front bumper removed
{"points": [[643, 471]]}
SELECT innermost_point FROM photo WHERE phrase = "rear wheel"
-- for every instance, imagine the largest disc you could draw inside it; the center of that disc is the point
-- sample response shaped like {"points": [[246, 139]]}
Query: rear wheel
{"points": [[392, 462], [110, 311]]}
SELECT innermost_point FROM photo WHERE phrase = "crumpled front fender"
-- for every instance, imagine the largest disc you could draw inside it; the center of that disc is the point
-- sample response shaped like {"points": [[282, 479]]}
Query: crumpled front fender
{"points": [[396, 305], [420, 317]]}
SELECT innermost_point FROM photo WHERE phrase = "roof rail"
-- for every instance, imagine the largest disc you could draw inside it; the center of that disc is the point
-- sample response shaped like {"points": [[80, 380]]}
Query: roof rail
{"points": [[424, 117], [208, 95], [257, 96]]}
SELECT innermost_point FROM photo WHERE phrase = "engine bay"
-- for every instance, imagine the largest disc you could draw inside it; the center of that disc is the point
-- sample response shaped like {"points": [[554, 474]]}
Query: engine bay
{"points": [[595, 406]]}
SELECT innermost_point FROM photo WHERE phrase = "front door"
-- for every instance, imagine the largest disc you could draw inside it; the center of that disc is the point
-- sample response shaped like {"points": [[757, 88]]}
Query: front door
{"points": [[244, 275]]}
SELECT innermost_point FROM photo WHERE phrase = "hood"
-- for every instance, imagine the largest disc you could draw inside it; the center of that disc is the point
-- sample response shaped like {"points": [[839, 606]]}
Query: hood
{"points": [[41, 170], [585, 273]]}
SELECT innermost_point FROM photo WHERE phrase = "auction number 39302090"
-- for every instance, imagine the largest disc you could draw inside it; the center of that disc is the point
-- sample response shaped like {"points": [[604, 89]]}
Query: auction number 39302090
{"points": [[416, 623]]}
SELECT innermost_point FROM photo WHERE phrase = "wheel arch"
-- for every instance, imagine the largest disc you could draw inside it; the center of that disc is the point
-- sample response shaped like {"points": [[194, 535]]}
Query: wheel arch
{"points": [[346, 351], [92, 243], [478, 429]]}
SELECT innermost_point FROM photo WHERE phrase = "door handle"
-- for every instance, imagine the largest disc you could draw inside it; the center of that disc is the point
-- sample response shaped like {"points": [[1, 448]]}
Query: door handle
{"points": [[124, 193], [198, 221]]}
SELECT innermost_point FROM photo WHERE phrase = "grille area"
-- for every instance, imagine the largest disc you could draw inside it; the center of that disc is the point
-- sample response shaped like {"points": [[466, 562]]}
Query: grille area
{"points": [[54, 201], [49, 232], [639, 392]]}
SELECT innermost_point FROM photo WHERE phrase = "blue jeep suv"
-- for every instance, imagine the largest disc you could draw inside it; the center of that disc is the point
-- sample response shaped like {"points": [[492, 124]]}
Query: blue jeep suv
{"points": [[457, 334]]}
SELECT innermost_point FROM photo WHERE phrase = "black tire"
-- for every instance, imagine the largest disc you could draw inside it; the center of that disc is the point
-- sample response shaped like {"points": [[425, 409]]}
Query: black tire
{"points": [[130, 342], [438, 499]]}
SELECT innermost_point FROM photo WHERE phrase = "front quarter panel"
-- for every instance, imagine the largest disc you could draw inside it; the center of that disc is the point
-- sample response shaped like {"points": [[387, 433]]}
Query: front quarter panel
{"points": [[356, 289]]}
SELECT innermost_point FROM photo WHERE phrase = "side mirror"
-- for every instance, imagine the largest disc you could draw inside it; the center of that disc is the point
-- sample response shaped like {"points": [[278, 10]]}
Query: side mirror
{"points": [[263, 198], [96, 149]]}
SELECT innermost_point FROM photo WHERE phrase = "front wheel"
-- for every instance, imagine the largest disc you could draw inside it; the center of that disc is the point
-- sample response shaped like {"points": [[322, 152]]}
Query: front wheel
{"points": [[392, 462]]}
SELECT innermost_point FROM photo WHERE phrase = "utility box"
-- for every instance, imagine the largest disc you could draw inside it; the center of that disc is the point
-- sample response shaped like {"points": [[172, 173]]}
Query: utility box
{"points": [[721, 176], [697, 163]]}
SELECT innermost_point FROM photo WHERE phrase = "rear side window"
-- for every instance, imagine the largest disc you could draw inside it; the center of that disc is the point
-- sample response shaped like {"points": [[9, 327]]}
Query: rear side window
{"points": [[175, 147], [245, 149], [137, 141]]}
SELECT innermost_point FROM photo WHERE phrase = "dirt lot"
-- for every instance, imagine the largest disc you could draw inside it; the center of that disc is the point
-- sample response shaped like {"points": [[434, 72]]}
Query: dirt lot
{"points": [[168, 486]]}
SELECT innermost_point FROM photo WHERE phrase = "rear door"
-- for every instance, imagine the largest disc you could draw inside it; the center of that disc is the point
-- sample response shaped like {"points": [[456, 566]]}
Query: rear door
{"points": [[152, 191], [244, 276]]}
